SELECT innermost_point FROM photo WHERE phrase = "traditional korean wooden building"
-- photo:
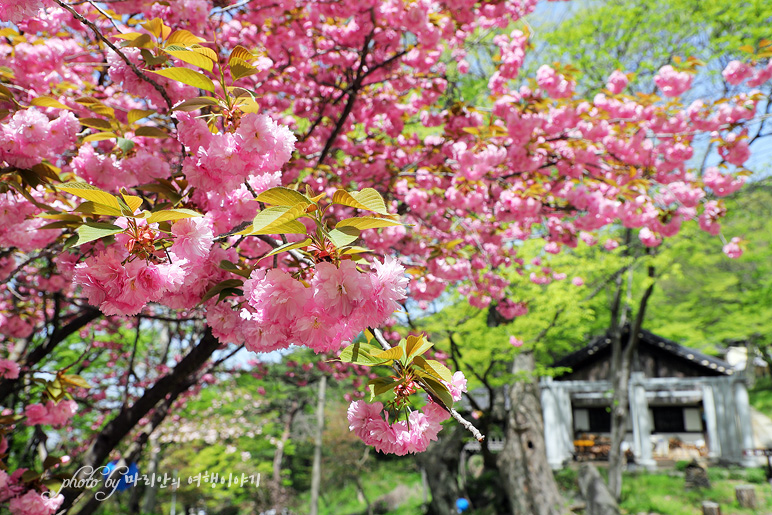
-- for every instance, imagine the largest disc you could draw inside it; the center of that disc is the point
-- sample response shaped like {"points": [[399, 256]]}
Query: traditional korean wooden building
{"points": [[676, 394]]}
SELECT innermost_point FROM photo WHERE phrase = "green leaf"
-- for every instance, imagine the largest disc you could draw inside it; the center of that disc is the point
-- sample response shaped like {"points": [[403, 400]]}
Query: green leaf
{"points": [[92, 193], [125, 145], [95, 230], [416, 346], [191, 57], [240, 69], [278, 219], [438, 389], [367, 199], [95, 123], [288, 246], [137, 114], [48, 102], [150, 132], [99, 136], [183, 37], [281, 196], [195, 103], [93, 208], [391, 354], [240, 53], [435, 368], [381, 385], [343, 236], [172, 214], [361, 354], [366, 222], [220, 287], [187, 76], [233, 267]]}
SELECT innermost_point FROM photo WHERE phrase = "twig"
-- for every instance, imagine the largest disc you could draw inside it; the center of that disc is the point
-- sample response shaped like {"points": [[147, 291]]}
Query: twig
{"points": [[115, 49]]}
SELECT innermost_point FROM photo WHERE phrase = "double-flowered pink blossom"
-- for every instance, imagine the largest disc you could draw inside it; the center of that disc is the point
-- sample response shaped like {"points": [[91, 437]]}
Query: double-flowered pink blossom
{"points": [[35, 503], [17, 11], [339, 303], [400, 438], [221, 162], [55, 414], [672, 82]]}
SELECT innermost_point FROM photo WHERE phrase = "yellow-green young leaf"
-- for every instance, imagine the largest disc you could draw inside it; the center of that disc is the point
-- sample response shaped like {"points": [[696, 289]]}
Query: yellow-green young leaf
{"points": [[208, 52], [74, 380], [281, 196], [195, 103], [93, 231], [137, 114], [95, 123], [239, 52], [158, 28], [91, 208], [92, 193], [393, 353], [438, 389], [240, 69], [288, 246], [381, 385], [343, 236], [96, 106], [143, 41], [47, 171], [187, 76], [127, 35], [172, 214], [247, 105], [361, 354], [366, 222], [367, 199], [272, 219], [150, 132], [5, 92], [747, 48], [99, 136], [47, 102], [435, 368], [132, 201], [416, 346], [193, 58], [60, 216], [183, 37]]}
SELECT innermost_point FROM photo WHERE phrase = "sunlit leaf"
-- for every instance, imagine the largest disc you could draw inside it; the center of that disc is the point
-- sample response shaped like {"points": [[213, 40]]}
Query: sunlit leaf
{"points": [[172, 214], [47, 102], [366, 222], [99, 136], [183, 37], [343, 236], [94, 230], [191, 57], [281, 196], [92, 193], [187, 76], [137, 114], [96, 123], [150, 132]]}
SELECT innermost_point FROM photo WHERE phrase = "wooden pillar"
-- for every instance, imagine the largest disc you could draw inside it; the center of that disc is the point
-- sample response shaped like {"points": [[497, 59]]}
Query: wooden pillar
{"points": [[711, 508]]}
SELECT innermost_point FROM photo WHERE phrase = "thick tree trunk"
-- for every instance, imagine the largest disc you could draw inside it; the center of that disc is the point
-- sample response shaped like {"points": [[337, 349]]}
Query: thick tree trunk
{"points": [[316, 472], [595, 492], [526, 477], [441, 464]]}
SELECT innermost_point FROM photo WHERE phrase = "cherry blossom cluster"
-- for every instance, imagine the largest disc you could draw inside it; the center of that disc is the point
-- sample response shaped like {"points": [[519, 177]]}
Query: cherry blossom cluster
{"points": [[222, 162], [337, 304], [406, 436], [52, 413], [122, 284]]}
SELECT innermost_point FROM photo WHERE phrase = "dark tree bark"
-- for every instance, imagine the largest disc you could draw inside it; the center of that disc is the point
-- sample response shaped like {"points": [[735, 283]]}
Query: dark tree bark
{"points": [[526, 476], [621, 368], [441, 464], [168, 387]]}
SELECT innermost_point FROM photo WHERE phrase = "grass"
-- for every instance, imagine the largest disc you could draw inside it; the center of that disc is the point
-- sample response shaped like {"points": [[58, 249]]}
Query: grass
{"points": [[665, 494], [382, 479]]}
